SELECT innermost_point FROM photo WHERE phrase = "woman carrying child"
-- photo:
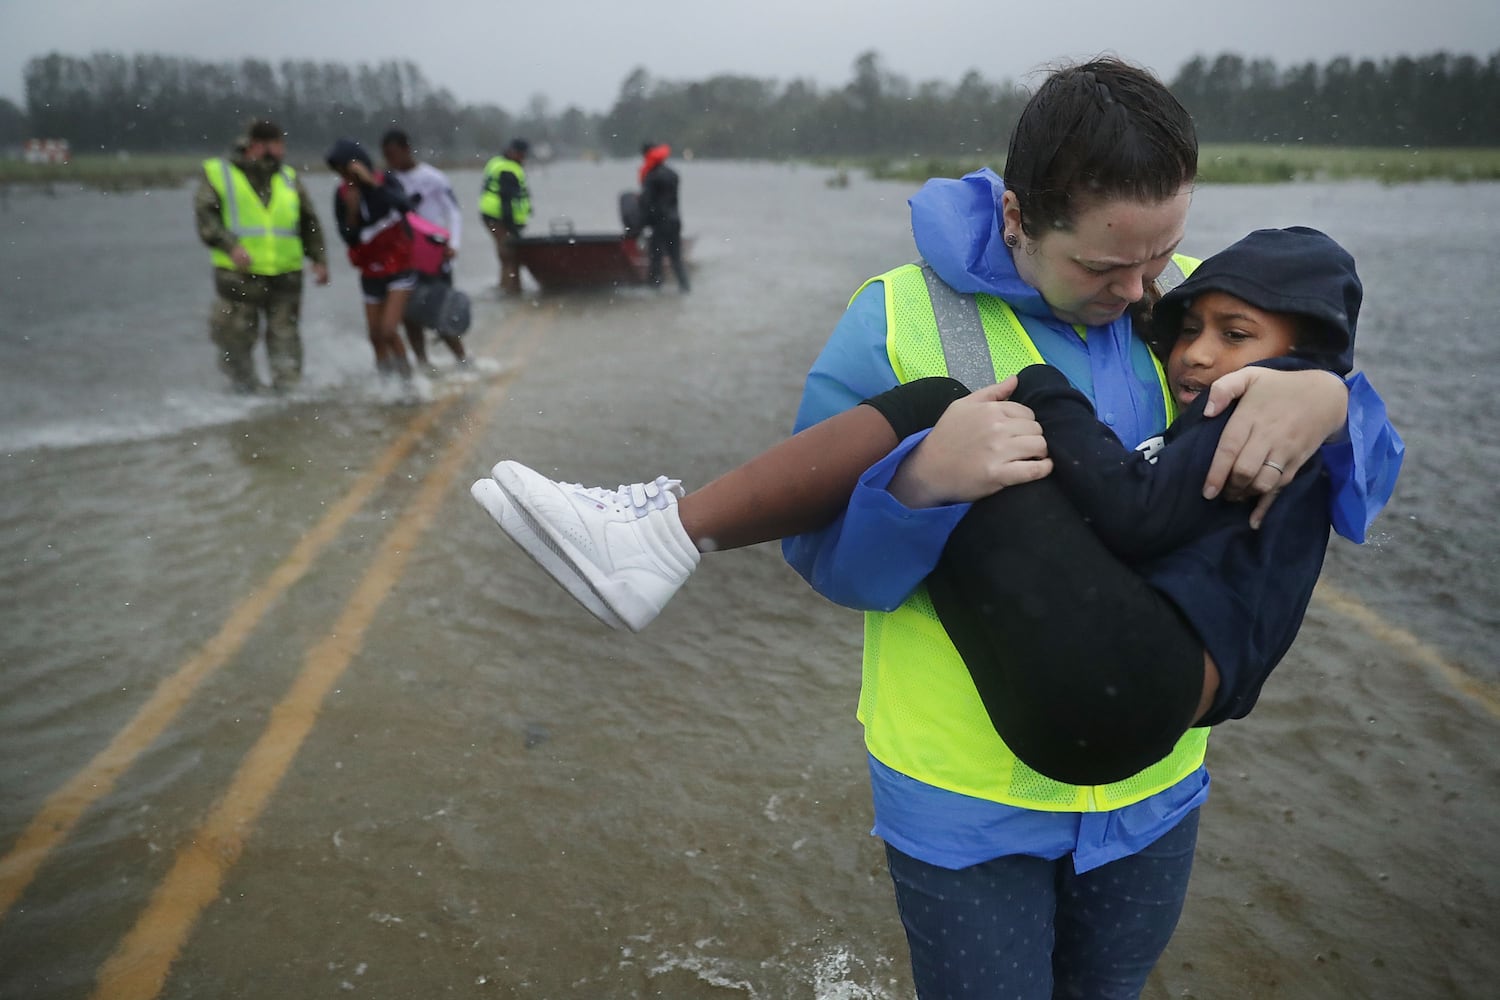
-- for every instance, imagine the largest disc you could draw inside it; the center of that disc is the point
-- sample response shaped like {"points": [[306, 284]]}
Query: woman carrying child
{"points": [[1009, 882]]}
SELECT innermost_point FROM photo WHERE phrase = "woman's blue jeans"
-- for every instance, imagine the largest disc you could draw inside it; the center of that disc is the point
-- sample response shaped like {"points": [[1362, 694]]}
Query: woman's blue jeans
{"points": [[1031, 929]]}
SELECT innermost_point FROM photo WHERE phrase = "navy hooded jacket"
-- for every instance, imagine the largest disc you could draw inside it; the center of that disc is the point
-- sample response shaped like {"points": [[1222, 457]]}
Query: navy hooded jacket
{"points": [[376, 201]]}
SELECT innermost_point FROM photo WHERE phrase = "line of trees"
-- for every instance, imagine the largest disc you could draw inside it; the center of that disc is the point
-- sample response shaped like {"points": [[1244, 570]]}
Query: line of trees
{"points": [[153, 103], [1432, 100], [876, 112], [108, 102]]}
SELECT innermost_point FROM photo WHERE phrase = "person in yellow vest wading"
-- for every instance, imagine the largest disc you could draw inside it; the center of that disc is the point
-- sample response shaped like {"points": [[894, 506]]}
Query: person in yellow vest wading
{"points": [[505, 207], [1008, 882], [254, 216]]}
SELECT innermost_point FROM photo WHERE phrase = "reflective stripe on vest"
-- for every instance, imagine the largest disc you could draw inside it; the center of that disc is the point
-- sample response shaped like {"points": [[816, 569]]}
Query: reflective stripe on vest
{"points": [[270, 232], [961, 332], [1174, 273], [489, 197], [921, 713]]}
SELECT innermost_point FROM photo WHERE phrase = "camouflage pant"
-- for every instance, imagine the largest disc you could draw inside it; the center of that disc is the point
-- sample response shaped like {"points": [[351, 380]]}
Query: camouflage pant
{"points": [[508, 250], [235, 326]]}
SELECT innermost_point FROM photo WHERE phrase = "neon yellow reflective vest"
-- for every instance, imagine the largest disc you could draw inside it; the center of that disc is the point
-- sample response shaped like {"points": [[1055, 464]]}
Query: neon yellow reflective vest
{"points": [[489, 198], [921, 713], [270, 233]]}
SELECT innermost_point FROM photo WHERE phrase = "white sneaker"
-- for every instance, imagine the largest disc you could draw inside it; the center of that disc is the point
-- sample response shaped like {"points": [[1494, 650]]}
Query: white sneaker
{"points": [[624, 548], [499, 507]]}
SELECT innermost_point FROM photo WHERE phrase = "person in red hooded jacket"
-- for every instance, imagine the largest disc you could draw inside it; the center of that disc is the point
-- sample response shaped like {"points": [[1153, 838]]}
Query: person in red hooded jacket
{"points": [[659, 213], [370, 209]]}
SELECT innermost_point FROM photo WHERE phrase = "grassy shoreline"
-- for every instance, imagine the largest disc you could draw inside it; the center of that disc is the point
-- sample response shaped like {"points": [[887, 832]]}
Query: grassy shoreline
{"points": [[1260, 163], [105, 173], [1242, 163]]}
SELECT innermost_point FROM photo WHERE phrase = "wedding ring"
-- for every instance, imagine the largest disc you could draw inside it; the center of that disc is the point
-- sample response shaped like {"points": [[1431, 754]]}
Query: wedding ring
{"points": [[1273, 465]]}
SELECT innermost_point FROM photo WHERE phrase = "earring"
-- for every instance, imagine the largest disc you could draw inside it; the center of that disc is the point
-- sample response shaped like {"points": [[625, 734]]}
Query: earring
{"points": [[1012, 240]]}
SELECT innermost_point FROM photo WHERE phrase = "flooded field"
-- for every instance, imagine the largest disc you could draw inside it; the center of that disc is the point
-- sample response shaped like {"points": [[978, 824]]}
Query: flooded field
{"points": [[282, 714]]}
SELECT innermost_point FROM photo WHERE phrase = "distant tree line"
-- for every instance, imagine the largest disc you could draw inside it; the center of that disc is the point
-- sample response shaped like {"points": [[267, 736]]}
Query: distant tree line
{"points": [[876, 112], [154, 103], [108, 102], [1433, 100]]}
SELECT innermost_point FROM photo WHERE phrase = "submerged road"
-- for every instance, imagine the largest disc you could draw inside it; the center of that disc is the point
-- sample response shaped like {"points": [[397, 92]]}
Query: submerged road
{"points": [[138, 968], [285, 715]]}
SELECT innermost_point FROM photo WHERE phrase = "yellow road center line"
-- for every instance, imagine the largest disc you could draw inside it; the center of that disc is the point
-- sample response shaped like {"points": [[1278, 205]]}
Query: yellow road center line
{"points": [[138, 968], [61, 811], [1486, 694]]}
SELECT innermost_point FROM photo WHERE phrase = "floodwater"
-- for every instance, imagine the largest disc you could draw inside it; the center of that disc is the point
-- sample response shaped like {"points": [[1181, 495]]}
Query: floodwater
{"points": [[282, 714]]}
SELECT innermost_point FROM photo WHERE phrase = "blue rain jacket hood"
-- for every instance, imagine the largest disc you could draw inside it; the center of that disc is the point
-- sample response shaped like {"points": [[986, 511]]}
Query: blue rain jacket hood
{"points": [[957, 228], [1298, 271], [956, 224]]}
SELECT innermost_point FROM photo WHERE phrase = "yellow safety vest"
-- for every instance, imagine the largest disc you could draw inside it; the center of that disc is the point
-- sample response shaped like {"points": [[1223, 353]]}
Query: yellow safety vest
{"points": [[921, 713], [489, 198], [270, 233]]}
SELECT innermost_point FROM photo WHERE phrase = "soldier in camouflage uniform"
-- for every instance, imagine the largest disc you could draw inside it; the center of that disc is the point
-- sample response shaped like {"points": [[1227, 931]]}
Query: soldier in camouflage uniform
{"points": [[257, 221]]}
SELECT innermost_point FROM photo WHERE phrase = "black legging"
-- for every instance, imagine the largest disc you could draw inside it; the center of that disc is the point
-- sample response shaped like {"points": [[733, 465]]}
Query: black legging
{"points": [[666, 241], [1087, 672]]}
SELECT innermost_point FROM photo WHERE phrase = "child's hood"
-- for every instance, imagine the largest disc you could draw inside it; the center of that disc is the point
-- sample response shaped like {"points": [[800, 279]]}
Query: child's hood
{"points": [[1296, 270]]}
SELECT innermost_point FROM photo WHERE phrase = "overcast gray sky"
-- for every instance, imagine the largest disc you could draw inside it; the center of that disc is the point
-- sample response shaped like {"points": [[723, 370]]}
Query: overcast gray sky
{"points": [[578, 51]]}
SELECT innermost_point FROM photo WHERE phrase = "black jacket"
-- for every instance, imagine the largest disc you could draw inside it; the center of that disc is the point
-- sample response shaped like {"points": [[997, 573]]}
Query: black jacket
{"points": [[1244, 591], [659, 199], [376, 201]]}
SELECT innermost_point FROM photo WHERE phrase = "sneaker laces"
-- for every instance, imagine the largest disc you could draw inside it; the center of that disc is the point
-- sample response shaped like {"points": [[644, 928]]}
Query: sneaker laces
{"points": [[639, 499]]}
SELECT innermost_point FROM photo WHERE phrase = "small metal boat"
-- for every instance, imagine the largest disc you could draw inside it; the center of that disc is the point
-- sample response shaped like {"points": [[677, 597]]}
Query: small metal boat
{"points": [[565, 260]]}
